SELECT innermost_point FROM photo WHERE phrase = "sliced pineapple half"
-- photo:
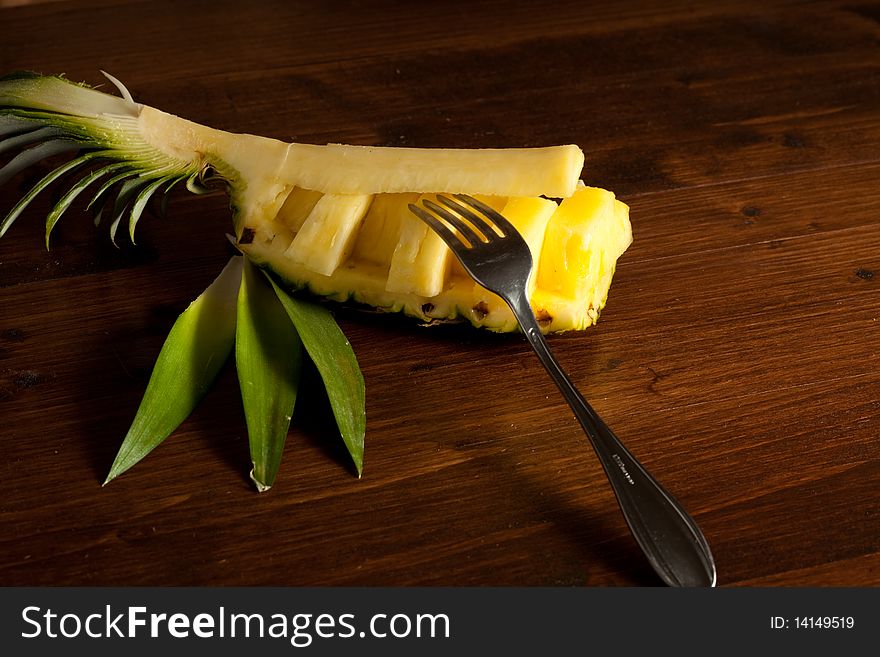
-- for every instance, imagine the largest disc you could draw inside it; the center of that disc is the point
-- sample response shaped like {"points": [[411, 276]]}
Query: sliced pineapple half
{"points": [[331, 219]]}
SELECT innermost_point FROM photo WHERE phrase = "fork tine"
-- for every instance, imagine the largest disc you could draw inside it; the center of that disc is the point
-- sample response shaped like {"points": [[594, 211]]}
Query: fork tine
{"points": [[469, 233], [500, 220], [479, 222], [452, 240]]}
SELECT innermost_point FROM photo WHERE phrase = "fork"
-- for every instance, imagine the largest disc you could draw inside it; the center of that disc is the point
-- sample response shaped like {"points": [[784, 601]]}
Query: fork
{"points": [[497, 257]]}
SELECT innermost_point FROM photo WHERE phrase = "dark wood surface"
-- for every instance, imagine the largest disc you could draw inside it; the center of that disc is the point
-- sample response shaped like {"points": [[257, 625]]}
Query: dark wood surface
{"points": [[737, 355]]}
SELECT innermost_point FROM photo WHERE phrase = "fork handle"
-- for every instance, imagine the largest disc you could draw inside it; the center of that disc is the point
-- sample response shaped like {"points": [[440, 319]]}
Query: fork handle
{"points": [[669, 537]]}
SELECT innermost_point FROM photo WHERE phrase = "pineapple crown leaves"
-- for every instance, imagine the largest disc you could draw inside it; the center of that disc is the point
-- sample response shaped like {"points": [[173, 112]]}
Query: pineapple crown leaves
{"points": [[243, 312], [45, 116]]}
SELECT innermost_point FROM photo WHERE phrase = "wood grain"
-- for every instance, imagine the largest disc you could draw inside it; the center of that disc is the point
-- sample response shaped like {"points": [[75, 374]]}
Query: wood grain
{"points": [[737, 355]]}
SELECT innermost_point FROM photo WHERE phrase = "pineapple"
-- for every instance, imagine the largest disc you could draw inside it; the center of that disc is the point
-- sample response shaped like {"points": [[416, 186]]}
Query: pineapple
{"points": [[331, 219]]}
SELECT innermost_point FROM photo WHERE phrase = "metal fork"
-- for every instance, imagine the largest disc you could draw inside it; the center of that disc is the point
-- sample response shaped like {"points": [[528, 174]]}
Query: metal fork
{"points": [[498, 258]]}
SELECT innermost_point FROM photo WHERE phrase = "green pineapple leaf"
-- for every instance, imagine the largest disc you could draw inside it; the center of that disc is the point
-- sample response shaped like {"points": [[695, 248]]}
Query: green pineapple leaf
{"points": [[268, 357], [335, 360], [190, 360]]}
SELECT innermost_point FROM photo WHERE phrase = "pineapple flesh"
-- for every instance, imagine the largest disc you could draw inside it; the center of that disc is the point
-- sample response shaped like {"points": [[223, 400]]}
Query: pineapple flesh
{"points": [[334, 219]]}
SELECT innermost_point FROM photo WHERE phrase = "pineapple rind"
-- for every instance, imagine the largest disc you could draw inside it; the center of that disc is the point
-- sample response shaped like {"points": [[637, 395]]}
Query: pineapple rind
{"points": [[445, 307]]}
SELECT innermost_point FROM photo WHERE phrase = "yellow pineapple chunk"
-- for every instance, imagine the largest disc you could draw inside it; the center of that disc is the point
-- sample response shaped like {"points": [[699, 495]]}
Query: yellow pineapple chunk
{"points": [[568, 261], [530, 216], [327, 235], [420, 263], [297, 207], [584, 239], [380, 230]]}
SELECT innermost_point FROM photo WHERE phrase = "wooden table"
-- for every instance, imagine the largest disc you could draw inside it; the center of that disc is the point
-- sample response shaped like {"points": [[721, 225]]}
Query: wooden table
{"points": [[737, 355]]}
